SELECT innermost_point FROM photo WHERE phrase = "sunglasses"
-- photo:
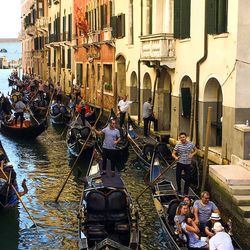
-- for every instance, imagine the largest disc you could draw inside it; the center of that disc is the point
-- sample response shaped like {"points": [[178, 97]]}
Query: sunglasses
{"points": [[183, 203]]}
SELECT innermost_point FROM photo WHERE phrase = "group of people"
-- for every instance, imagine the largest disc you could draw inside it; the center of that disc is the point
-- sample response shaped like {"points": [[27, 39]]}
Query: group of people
{"points": [[201, 218]]}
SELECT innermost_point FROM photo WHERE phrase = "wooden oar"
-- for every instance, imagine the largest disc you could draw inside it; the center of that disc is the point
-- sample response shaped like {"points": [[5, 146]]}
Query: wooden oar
{"points": [[155, 180], [71, 125], [8, 188], [47, 112], [74, 164], [17, 194]]}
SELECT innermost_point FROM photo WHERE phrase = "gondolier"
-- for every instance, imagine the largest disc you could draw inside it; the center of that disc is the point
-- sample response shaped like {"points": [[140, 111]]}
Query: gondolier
{"points": [[19, 108], [183, 153], [112, 138], [123, 106]]}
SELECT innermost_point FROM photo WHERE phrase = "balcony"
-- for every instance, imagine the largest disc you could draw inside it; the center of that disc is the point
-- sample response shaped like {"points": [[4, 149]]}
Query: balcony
{"points": [[94, 37], [30, 31], [158, 47], [42, 24], [107, 34]]}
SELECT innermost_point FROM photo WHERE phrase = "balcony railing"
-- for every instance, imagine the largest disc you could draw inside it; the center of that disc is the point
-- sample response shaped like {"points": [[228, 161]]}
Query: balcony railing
{"points": [[158, 47], [42, 23], [94, 37], [107, 34]]}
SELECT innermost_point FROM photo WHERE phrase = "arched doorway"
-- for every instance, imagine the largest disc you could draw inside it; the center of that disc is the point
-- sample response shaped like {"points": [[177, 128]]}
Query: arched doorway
{"points": [[163, 101], [185, 104], [213, 97], [146, 90], [121, 76], [133, 93]]}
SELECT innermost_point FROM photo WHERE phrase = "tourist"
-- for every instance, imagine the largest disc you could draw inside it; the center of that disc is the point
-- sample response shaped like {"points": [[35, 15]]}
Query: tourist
{"points": [[189, 226], [215, 217], [111, 139], [123, 106], [148, 116], [221, 240], [58, 93], [183, 153], [181, 212], [41, 87], [189, 202], [203, 209]]}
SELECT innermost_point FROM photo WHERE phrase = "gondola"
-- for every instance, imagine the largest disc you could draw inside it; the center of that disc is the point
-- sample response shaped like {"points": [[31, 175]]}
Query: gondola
{"points": [[8, 197], [39, 107], [166, 200], [144, 147], [122, 146], [27, 132], [59, 114], [76, 138], [11, 81], [107, 219]]}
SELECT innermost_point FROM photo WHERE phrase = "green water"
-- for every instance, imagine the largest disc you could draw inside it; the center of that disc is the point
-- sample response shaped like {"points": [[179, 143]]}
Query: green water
{"points": [[45, 164]]}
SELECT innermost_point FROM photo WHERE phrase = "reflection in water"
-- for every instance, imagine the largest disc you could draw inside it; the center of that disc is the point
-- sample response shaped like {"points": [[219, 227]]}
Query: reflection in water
{"points": [[45, 164]]}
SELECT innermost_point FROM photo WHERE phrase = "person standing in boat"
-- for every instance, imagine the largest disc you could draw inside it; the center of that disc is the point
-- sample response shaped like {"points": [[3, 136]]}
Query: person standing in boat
{"points": [[123, 106], [183, 153], [19, 108], [148, 116], [111, 138], [58, 93]]}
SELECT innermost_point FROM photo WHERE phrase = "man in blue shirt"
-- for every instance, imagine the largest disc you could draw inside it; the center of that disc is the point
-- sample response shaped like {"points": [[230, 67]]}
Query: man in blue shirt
{"points": [[111, 139]]}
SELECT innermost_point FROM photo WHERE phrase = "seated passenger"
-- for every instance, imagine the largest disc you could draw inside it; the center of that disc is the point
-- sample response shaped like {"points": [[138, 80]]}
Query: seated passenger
{"points": [[189, 226], [203, 209], [221, 240], [209, 225], [181, 212], [189, 203]]}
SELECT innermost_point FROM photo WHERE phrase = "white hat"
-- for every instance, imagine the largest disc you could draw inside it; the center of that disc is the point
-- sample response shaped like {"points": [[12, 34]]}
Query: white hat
{"points": [[215, 216], [218, 227], [8, 164]]}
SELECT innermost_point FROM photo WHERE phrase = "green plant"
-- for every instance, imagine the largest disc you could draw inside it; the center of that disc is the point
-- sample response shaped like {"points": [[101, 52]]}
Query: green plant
{"points": [[108, 86]]}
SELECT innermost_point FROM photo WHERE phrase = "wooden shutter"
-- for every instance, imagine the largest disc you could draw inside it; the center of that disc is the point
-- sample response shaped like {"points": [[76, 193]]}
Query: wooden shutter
{"points": [[105, 15], [54, 63], [102, 19], [177, 18], [70, 27], [123, 25], [222, 16], [185, 19], [49, 57], [64, 28], [69, 59], [113, 24], [211, 16], [110, 13]]}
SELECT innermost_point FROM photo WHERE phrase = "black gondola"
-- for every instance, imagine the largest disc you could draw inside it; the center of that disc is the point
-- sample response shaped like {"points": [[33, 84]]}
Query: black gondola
{"points": [[27, 132], [144, 147], [122, 146], [8, 196], [11, 81], [39, 108], [76, 138], [59, 114], [107, 218], [166, 200]]}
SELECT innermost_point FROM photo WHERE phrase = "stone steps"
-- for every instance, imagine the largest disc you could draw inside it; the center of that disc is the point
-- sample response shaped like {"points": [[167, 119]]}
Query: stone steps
{"points": [[244, 211], [241, 200], [239, 190]]}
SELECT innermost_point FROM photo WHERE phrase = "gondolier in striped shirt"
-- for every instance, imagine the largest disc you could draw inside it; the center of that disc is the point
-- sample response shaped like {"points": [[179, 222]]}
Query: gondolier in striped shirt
{"points": [[183, 153]]}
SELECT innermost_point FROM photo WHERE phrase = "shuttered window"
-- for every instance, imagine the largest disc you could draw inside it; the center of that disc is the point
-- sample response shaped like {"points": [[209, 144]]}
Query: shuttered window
{"points": [[63, 57], [69, 59], [110, 12], [113, 24], [49, 58], [79, 73], [217, 14], [121, 26], [70, 27], [64, 28], [54, 61], [104, 15], [182, 18]]}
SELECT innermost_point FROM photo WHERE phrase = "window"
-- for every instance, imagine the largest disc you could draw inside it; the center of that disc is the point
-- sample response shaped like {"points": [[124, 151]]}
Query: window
{"points": [[107, 71], [70, 27], [49, 57], [54, 62], [131, 23], [63, 57], [98, 72], [69, 59], [216, 16], [79, 73], [121, 26], [104, 15], [87, 76], [182, 19], [64, 28]]}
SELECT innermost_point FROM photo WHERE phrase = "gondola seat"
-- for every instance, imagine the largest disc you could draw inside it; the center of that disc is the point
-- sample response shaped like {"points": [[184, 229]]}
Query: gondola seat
{"points": [[97, 232], [117, 206], [172, 210], [84, 132], [122, 227], [96, 207]]}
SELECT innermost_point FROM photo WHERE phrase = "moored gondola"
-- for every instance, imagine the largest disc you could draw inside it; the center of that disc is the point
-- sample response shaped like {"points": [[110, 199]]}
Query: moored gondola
{"points": [[166, 201], [27, 132], [59, 114], [107, 218], [8, 182]]}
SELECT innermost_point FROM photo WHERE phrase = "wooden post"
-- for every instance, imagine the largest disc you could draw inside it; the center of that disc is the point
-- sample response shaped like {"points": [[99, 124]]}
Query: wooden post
{"points": [[205, 162]]}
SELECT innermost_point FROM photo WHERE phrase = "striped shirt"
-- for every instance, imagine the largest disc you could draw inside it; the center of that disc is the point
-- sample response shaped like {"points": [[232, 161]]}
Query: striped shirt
{"points": [[183, 150]]}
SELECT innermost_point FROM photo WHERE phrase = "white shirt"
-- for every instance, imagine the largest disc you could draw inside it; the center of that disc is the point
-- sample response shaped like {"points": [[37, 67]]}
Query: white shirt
{"points": [[124, 106], [147, 109], [221, 241]]}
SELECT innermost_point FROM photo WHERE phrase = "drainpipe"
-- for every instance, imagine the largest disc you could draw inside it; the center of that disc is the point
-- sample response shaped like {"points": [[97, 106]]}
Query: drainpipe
{"points": [[198, 66], [141, 17]]}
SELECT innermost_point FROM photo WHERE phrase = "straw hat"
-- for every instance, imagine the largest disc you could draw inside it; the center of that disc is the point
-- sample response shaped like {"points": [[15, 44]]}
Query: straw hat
{"points": [[215, 216]]}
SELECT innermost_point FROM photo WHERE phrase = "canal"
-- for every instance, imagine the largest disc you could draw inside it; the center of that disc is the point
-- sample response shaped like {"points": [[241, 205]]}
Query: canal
{"points": [[44, 163]]}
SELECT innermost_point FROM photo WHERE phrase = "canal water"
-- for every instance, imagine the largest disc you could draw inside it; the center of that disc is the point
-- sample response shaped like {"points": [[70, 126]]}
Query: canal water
{"points": [[44, 163]]}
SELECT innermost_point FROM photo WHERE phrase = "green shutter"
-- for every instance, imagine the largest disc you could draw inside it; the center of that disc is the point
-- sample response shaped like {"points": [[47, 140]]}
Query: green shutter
{"points": [[102, 17], [105, 15], [122, 25], [185, 19], [222, 16], [211, 19], [186, 102], [113, 24], [177, 18], [110, 13], [70, 27], [150, 17]]}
